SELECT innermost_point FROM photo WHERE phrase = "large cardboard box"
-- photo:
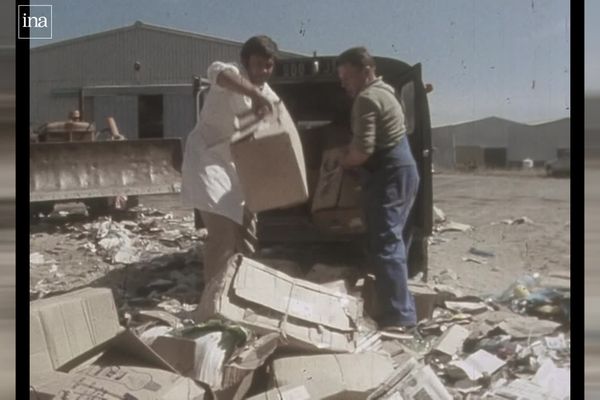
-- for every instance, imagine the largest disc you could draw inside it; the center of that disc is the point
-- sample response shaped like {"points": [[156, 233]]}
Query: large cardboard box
{"points": [[270, 162], [129, 369], [64, 327], [307, 315], [336, 204], [217, 360], [334, 376], [79, 351], [126, 368]]}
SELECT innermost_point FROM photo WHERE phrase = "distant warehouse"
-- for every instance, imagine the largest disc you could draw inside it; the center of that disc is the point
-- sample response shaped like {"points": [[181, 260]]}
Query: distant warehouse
{"points": [[499, 143], [141, 75]]}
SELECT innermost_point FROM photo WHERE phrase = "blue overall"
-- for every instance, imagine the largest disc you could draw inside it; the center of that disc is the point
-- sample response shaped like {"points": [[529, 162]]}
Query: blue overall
{"points": [[390, 188]]}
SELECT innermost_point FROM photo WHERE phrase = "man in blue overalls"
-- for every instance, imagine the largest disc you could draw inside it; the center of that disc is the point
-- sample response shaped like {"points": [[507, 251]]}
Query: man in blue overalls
{"points": [[380, 145]]}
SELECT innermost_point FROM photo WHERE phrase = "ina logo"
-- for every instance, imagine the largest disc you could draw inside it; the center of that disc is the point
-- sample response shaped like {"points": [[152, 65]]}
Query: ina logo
{"points": [[35, 21]]}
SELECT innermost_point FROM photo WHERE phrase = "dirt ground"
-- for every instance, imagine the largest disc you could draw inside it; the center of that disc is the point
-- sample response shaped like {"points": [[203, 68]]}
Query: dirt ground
{"points": [[67, 254]]}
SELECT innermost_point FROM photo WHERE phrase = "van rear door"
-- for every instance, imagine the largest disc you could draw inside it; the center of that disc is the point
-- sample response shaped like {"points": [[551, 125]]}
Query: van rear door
{"points": [[413, 97]]}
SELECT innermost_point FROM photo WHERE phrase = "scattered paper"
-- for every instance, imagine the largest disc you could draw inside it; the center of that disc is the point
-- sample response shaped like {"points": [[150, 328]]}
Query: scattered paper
{"points": [[454, 227], [452, 340], [36, 258], [466, 307], [481, 253], [476, 365], [439, 215], [556, 381], [422, 383], [556, 343], [476, 260], [521, 389]]}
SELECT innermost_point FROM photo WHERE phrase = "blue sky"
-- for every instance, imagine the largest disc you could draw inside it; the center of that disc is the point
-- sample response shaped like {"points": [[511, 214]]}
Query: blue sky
{"points": [[508, 58]]}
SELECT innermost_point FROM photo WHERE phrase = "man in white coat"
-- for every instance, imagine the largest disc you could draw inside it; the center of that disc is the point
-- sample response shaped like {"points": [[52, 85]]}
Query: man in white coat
{"points": [[210, 180]]}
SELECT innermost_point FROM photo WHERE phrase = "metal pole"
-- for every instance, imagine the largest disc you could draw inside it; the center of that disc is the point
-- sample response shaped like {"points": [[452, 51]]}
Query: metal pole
{"points": [[81, 101], [196, 90]]}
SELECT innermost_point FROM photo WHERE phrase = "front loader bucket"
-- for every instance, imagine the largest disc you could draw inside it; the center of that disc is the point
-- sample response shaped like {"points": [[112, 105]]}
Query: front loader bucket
{"points": [[81, 170]]}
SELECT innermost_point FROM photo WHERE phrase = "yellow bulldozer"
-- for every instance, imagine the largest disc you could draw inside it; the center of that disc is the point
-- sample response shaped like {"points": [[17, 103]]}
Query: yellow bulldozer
{"points": [[71, 161]]}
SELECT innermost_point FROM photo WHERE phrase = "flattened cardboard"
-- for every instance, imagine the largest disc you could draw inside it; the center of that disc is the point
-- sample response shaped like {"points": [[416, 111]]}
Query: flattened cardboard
{"points": [[393, 382], [67, 326], [45, 386], [265, 300], [127, 382], [334, 376], [289, 392], [270, 163]]}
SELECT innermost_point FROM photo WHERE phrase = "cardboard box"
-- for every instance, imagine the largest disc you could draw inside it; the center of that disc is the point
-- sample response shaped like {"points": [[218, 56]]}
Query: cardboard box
{"points": [[64, 327], [79, 334], [425, 299], [334, 376], [340, 220], [239, 370], [336, 188], [127, 369], [312, 179], [270, 162], [216, 357], [310, 316], [336, 204]]}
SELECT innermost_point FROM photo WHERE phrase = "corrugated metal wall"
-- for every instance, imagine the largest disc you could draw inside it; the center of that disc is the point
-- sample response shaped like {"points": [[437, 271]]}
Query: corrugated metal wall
{"points": [[108, 59], [538, 142]]}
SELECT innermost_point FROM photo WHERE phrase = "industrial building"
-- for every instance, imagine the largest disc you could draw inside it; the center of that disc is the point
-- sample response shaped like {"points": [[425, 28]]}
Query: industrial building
{"points": [[140, 74], [499, 143]]}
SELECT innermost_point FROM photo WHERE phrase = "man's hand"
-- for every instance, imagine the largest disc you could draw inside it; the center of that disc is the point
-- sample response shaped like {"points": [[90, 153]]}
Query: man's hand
{"points": [[353, 158], [261, 106]]}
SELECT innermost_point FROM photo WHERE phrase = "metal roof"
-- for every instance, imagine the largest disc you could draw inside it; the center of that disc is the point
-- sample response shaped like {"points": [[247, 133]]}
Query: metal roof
{"points": [[157, 28], [498, 119]]}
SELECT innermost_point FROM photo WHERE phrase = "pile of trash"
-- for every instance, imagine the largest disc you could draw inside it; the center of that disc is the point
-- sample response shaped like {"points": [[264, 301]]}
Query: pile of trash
{"points": [[148, 239], [261, 333]]}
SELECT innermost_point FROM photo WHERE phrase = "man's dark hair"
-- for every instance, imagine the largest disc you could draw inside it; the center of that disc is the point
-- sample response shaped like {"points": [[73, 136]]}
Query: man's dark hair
{"points": [[358, 57], [261, 45]]}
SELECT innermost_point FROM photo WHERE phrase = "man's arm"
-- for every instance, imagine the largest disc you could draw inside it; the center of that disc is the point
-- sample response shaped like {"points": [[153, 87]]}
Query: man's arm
{"points": [[364, 116], [237, 83]]}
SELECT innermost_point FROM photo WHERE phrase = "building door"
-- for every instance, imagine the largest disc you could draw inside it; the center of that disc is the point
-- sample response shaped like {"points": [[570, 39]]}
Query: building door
{"points": [[495, 157], [150, 116]]}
